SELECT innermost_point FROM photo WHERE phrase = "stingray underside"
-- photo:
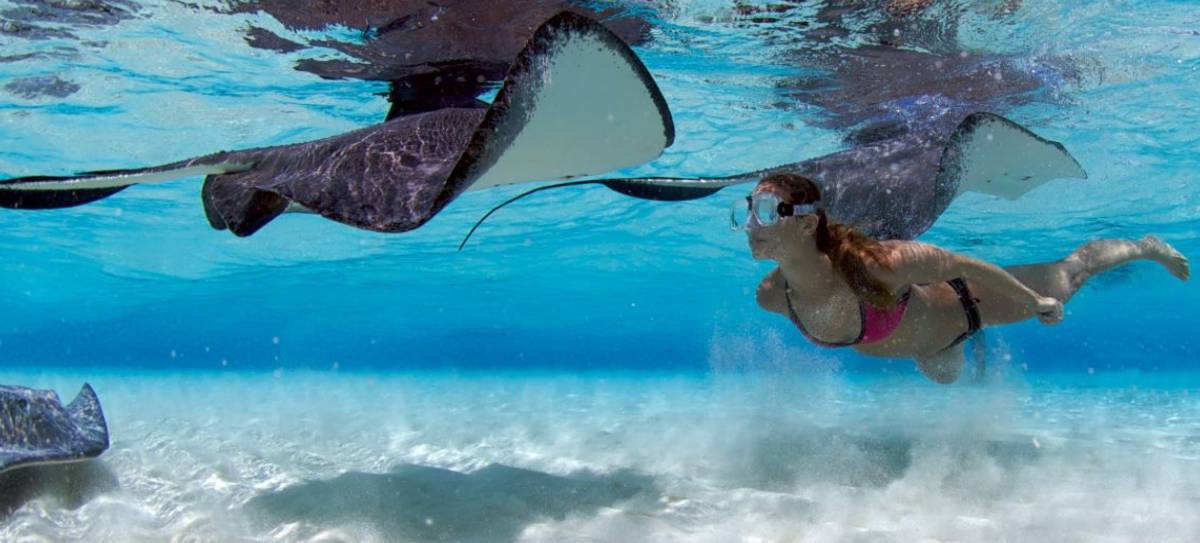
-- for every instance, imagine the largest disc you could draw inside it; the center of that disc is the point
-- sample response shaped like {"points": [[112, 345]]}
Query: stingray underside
{"points": [[35, 428], [990, 154]]}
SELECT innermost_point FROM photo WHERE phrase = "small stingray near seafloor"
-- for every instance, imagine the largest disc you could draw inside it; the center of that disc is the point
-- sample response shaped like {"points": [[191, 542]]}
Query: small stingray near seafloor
{"points": [[36, 429]]}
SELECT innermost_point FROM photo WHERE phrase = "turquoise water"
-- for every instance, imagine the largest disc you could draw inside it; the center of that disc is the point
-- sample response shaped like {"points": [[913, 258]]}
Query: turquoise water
{"points": [[602, 349]]}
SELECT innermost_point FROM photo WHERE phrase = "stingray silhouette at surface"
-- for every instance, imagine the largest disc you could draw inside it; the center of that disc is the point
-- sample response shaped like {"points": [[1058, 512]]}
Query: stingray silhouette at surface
{"points": [[434, 55], [576, 102]]}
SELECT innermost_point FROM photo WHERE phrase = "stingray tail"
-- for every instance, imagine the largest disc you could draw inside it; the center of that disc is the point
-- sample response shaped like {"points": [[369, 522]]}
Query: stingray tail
{"points": [[53, 192], [662, 189], [993, 155]]}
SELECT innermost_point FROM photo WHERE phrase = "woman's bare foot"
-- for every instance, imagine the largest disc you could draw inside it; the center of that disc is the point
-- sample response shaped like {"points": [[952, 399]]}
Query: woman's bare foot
{"points": [[1159, 251]]}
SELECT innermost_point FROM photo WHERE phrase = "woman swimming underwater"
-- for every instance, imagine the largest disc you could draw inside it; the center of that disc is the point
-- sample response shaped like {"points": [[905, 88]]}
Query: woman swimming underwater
{"points": [[906, 299]]}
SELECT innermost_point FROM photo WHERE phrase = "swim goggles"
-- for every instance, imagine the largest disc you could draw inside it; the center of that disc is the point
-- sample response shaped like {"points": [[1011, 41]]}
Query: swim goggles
{"points": [[764, 209]]}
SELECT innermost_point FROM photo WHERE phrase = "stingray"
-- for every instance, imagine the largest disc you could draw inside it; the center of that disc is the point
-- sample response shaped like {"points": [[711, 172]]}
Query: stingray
{"points": [[36, 429], [576, 101], [894, 188]]}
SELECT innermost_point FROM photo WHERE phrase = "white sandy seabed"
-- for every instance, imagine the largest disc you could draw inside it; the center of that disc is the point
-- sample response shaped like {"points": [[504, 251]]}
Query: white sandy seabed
{"points": [[725, 457]]}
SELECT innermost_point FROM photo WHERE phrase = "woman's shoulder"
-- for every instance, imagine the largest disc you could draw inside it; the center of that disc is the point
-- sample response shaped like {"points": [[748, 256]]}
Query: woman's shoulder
{"points": [[900, 262], [899, 252], [900, 246]]}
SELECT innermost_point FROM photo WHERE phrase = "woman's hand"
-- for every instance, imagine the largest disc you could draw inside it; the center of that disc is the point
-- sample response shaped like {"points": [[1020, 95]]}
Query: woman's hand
{"points": [[1049, 310], [770, 294]]}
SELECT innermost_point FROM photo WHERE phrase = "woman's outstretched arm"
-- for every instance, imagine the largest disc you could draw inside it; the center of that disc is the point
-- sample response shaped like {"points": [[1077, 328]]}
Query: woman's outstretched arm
{"points": [[911, 263]]}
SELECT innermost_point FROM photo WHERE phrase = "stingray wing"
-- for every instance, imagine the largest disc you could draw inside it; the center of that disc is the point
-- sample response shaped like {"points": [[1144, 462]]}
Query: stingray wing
{"points": [[990, 154], [386, 178], [576, 101]]}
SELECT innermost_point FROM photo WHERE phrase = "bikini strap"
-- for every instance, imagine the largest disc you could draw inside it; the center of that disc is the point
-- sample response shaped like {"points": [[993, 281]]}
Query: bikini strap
{"points": [[970, 307], [795, 318]]}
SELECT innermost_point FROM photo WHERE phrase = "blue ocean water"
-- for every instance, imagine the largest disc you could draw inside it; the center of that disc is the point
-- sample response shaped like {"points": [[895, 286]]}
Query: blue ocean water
{"points": [[603, 349]]}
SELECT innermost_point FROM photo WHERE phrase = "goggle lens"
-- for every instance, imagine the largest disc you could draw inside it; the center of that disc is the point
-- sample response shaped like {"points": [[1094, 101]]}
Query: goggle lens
{"points": [[756, 211], [763, 209]]}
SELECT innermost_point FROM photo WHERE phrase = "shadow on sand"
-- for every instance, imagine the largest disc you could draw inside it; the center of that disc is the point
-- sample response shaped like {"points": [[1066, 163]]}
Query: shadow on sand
{"points": [[798, 457], [418, 503], [72, 485]]}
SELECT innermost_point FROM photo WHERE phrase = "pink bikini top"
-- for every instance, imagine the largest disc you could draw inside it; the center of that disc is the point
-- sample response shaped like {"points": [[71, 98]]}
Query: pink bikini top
{"points": [[877, 324]]}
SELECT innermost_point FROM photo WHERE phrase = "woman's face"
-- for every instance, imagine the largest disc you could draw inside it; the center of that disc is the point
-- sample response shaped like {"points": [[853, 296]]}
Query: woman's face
{"points": [[767, 242]]}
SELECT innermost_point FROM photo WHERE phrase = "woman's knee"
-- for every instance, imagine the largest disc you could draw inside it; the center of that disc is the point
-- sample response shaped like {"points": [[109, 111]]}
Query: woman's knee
{"points": [[943, 368]]}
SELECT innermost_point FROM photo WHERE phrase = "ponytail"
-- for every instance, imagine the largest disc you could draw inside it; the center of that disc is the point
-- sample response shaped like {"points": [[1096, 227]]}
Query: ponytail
{"points": [[848, 251]]}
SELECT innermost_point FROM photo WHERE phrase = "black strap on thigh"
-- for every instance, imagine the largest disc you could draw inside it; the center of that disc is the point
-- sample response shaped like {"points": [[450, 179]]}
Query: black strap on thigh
{"points": [[970, 308]]}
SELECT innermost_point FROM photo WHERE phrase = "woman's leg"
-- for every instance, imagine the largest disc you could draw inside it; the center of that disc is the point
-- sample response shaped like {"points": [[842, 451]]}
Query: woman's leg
{"points": [[1062, 279], [943, 366]]}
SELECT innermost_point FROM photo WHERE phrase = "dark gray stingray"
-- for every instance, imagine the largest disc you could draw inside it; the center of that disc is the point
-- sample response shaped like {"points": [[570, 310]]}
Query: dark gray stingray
{"points": [[897, 187], [35, 427], [576, 101]]}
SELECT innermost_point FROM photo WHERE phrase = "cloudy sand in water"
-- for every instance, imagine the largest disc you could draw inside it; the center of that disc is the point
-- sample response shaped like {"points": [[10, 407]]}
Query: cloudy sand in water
{"points": [[593, 367], [550, 456]]}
